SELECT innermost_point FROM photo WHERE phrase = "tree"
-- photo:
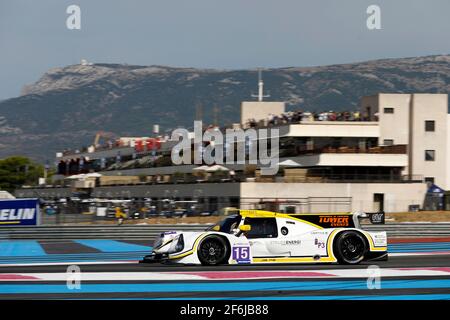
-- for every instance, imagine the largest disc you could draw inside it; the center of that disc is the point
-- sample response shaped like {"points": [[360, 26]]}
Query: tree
{"points": [[17, 171]]}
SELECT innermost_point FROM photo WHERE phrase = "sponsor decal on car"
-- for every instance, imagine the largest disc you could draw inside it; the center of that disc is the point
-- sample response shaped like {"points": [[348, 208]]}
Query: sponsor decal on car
{"points": [[327, 220], [241, 254], [286, 242], [335, 221], [319, 244]]}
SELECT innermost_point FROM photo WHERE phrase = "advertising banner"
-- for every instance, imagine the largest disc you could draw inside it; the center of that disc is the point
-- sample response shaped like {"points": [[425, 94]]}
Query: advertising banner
{"points": [[19, 212]]}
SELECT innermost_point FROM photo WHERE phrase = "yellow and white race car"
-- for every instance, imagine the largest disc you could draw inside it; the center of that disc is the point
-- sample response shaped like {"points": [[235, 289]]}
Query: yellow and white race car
{"points": [[255, 236]]}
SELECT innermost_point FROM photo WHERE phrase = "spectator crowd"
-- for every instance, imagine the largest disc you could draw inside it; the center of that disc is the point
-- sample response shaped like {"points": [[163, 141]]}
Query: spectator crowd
{"points": [[75, 166], [291, 117]]}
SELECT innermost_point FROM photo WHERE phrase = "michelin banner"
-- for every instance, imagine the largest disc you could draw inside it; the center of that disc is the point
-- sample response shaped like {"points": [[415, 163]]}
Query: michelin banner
{"points": [[19, 212]]}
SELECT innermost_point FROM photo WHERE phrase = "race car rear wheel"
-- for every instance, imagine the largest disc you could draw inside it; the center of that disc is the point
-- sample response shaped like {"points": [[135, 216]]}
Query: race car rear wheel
{"points": [[213, 250], [350, 247]]}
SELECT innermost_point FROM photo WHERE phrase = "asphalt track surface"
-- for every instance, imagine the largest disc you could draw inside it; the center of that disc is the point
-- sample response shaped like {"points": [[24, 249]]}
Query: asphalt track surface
{"points": [[422, 273]]}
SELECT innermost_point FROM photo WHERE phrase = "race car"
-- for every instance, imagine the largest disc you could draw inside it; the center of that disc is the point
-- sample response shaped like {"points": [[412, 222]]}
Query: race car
{"points": [[256, 236]]}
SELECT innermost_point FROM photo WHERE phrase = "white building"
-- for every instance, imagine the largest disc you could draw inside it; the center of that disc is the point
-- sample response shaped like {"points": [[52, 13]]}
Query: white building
{"points": [[421, 122]]}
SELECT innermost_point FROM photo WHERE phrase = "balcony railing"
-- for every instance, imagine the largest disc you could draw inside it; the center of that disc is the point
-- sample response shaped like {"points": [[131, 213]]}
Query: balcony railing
{"points": [[324, 178], [395, 149], [347, 177]]}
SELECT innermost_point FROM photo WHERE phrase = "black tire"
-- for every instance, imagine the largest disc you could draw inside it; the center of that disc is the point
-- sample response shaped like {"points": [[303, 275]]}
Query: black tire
{"points": [[350, 247], [213, 250]]}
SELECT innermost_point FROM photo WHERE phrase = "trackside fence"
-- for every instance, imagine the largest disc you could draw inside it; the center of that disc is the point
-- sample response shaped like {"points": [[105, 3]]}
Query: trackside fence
{"points": [[150, 232]]}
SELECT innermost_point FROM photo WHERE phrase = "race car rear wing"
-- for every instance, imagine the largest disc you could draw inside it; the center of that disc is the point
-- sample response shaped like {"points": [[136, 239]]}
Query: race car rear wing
{"points": [[374, 217], [377, 217]]}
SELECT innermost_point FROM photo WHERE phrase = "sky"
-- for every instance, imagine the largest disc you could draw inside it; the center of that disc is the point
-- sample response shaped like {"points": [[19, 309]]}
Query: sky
{"points": [[226, 34]]}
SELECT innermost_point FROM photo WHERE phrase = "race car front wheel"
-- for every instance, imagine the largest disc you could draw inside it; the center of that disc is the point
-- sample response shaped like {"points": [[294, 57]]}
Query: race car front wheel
{"points": [[350, 247], [213, 250]]}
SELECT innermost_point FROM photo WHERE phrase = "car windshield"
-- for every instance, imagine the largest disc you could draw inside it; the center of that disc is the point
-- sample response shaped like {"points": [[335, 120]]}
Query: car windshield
{"points": [[228, 224]]}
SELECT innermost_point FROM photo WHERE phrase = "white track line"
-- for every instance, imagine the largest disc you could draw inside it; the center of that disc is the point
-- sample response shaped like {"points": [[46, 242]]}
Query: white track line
{"points": [[37, 264], [404, 254], [224, 275]]}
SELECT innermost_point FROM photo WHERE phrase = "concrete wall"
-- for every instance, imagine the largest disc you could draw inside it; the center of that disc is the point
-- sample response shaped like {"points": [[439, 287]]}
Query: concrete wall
{"points": [[395, 125], [397, 196], [430, 107], [260, 110], [352, 159], [331, 129], [392, 126], [171, 190]]}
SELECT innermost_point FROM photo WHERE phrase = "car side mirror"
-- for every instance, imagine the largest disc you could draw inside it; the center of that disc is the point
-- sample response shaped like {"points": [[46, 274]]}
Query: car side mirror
{"points": [[216, 228], [245, 227]]}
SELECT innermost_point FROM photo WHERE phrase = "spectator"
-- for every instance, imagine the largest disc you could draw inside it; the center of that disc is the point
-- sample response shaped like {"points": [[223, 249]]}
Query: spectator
{"points": [[298, 116]]}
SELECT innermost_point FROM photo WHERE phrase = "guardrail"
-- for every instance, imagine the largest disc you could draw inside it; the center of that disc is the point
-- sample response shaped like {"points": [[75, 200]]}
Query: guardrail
{"points": [[129, 232], [410, 229], [150, 232]]}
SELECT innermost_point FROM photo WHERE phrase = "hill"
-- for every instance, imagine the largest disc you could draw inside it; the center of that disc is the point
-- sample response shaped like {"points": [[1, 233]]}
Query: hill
{"points": [[67, 106]]}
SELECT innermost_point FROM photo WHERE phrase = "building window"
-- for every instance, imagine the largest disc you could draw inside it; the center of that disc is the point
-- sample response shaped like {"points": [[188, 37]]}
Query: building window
{"points": [[430, 155], [429, 180], [388, 110], [388, 142], [429, 126]]}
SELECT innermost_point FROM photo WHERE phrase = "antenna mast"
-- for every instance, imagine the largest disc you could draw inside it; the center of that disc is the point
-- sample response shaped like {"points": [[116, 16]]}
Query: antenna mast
{"points": [[260, 95], [215, 116], [199, 112]]}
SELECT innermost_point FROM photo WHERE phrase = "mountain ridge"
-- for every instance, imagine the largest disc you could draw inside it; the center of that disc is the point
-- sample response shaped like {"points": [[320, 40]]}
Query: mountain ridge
{"points": [[68, 105]]}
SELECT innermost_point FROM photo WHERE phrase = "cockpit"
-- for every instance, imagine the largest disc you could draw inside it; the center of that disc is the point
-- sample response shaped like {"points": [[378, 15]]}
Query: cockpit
{"points": [[227, 225]]}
